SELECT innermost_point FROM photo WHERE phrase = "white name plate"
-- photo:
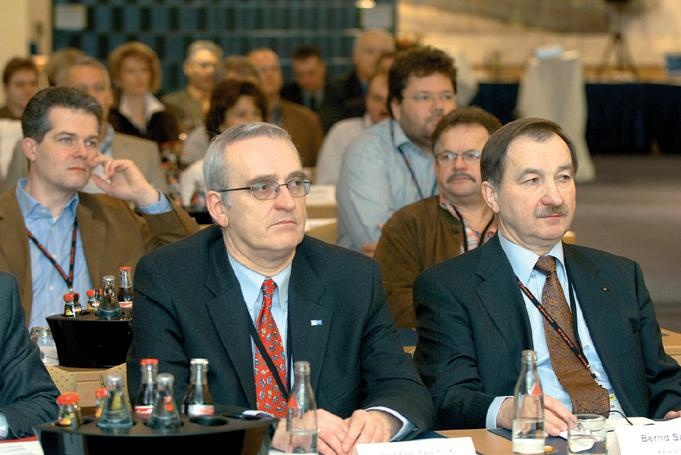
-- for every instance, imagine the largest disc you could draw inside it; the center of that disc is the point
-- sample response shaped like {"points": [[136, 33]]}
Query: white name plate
{"points": [[663, 438], [439, 446]]}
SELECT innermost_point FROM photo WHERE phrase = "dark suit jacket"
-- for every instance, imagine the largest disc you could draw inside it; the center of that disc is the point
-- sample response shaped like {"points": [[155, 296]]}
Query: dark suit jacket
{"points": [[472, 326], [294, 93], [161, 127], [27, 393], [188, 303], [113, 235], [344, 98]]}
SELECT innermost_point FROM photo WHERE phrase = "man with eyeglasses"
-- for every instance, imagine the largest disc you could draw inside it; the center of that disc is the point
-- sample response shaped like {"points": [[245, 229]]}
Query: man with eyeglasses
{"points": [[390, 165], [456, 220], [252, 295], [56, 238]]}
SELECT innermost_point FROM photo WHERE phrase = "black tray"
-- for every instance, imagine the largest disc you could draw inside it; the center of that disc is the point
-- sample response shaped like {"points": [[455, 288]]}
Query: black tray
{"points": [[219, 433], [88, 342]]}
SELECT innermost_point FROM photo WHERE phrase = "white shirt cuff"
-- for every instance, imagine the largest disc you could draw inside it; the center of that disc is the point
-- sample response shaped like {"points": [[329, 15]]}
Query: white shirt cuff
{"points": [[493, 412], [407, 426], [4, 426]]}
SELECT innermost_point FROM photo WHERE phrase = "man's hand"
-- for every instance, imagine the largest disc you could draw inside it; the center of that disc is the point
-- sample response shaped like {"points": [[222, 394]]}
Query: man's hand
{"points": [[123, 180], [557, 418], [672, 415], [369, 248], [369, 426]]}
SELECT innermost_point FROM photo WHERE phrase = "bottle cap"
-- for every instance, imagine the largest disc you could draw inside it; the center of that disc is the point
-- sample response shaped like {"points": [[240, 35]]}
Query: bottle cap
{"points": [[68, 398], [150, 361], [90, 292], [68, 297], [101, 392], [198, 362], [125, 268]]}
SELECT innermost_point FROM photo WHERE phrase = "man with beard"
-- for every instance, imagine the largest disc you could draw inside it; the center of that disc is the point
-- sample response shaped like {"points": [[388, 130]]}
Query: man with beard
{"points": [[391, 164], [586, 313], [440, 227]]}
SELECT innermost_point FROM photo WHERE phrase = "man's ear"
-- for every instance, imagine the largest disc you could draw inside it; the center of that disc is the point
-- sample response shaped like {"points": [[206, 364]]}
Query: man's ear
{"points": [[490, 195], [30, 148], [217, 209]]}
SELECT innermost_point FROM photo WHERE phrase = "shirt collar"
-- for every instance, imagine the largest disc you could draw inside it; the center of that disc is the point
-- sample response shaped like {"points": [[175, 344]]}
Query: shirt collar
{"points": [[151, 106], [523, 260], [251, 281], [398, 135], [31, 208]]}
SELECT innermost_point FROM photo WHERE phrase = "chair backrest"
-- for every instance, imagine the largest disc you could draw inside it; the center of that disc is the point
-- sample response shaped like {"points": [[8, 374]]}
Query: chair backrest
{"points": [[326, 232]]}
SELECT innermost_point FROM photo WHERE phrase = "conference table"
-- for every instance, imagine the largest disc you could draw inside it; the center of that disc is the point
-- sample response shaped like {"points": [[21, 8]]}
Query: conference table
{"points": [[485, 442]]}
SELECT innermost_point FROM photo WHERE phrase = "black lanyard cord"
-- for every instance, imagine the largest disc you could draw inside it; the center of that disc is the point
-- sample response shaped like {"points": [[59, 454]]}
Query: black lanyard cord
{"points": [[268, 360], [68, 279], [465, 237], [408, 164]]}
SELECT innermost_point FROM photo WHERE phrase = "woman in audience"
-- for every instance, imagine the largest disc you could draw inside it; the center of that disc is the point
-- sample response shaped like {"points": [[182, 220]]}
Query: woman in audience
{"points": [[136, 74], [232, 103]]}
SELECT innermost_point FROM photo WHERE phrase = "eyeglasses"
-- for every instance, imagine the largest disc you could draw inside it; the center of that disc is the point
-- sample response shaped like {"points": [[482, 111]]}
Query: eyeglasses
{"points": [[428, 98], [270, 189], [470, 156]]}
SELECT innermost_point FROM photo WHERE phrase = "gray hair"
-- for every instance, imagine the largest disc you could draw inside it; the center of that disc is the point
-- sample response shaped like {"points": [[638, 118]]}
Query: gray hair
{"points": [[214, 167], [201, 45], [62, 77]]}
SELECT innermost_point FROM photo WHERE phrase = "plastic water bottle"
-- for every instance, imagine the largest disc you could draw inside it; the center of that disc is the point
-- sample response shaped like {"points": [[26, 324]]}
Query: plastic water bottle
{"points": [[301, 418], [528, 412]]}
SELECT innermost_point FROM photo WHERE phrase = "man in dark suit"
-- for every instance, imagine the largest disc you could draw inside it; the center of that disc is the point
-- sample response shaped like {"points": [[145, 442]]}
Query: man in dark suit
{"points": [[345, 95], [27, 394], [199, 298], [477, 312], [309, 73]]}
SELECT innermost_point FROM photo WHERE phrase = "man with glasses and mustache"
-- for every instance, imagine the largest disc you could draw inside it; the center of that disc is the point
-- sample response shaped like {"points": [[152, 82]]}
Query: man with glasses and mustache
{"points": [[440, 227], [252, 295], [390, 164], [586, 313]]}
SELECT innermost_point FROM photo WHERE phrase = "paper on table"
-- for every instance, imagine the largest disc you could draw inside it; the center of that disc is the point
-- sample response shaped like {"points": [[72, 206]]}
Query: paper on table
{"points": [[614, 422], [321, 195], [458, 446], [21, 448]]}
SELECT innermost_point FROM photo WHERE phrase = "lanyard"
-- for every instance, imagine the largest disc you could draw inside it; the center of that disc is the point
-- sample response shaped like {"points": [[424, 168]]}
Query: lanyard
{"points": [[576, 350], [465, 236], [68, 279], [268, 360], [408, 164]]}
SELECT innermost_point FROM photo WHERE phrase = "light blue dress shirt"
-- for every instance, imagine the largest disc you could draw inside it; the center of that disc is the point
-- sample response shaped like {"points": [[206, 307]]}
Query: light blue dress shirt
{"points": [[55, 235], [4, 427], [250, 283], [523, 262], [375, 182]]}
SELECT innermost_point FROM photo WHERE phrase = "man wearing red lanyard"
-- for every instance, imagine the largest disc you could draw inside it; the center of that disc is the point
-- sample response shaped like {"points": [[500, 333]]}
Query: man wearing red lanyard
{"points": [[440, 227], [55, 238], [586, 313]]}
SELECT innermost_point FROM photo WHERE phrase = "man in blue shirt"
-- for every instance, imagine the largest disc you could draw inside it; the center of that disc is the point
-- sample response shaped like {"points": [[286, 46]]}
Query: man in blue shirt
{"points": [[391, 164], [477, 312], [57, 239], [254, 282]]}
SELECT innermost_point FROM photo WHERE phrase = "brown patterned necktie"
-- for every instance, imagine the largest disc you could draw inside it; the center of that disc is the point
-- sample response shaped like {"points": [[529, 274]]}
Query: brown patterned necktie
{"points": [[586, 394]]}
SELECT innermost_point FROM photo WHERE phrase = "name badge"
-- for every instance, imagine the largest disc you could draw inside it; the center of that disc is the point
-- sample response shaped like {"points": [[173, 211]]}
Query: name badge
{"points": [[439, 446], [663, 438]]}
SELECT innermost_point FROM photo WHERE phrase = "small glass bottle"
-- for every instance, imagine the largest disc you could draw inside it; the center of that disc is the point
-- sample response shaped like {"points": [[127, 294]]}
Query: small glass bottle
{"points": [[109, 307], [77, 307], [164, 415], [69, 411], [198, 401], [528, 411], [69, 311], [301, 418], [42, 337], [144, 402], [100, 400], [125, 289], [98, 297], [116, 413], [92, 302]]}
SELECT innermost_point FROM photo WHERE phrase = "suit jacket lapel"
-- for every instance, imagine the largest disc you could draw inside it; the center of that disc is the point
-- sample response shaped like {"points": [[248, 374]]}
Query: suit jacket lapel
{"points": [[310, 321], [14, 247], [93, 234], [502, 298], [228, 310], [596, 301]]}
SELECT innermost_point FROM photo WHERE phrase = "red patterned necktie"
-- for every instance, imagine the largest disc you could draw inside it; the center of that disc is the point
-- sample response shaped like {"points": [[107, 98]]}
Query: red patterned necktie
{"points": [[586, 394], [268, 396]]}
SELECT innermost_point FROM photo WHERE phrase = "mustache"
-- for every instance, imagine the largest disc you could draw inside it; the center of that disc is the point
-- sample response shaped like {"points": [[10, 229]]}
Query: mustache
{"points": [[456, 175], [552, 210]]}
